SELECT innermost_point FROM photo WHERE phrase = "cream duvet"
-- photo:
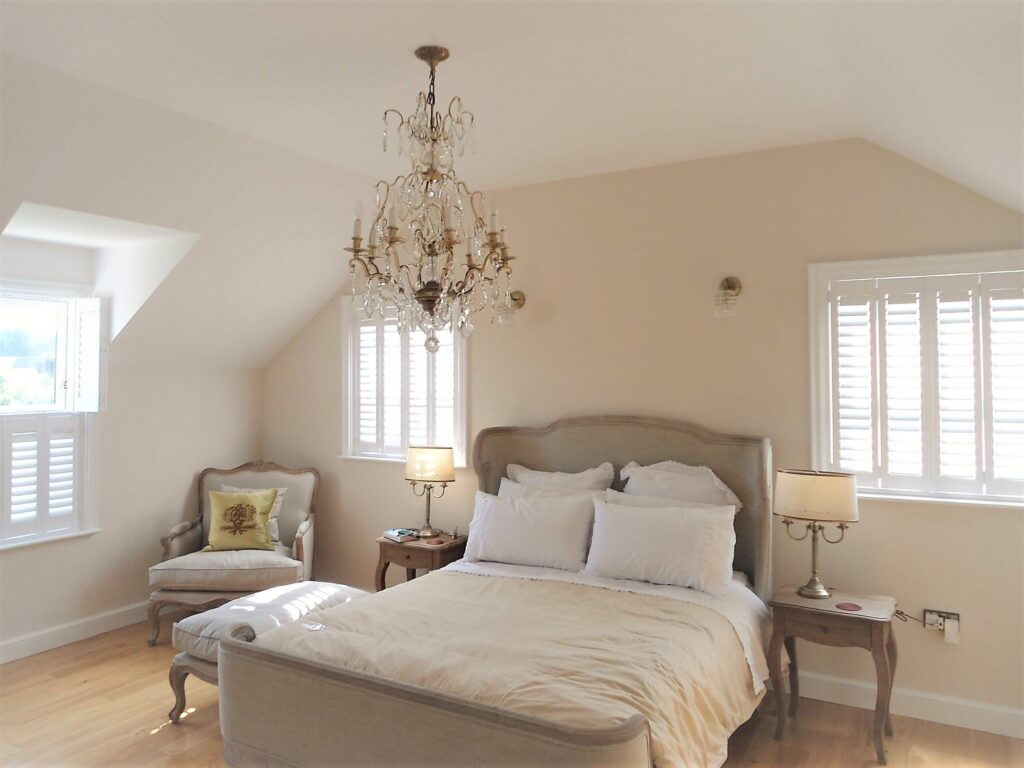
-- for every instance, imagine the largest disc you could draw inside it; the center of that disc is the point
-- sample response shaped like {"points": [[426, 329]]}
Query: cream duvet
{"points": [[562, 647]]}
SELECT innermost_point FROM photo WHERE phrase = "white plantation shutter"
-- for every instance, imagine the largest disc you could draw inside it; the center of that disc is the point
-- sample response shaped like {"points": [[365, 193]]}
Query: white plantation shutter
{"points": [[901, 400], [85, 384], [41, 474], [854, 366], [958, 379], [400, 394], [1003, 324], [925, 380]]}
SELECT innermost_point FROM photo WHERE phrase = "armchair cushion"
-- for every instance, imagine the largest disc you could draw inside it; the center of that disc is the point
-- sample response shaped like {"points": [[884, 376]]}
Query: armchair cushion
{"points": [[240, 570]]}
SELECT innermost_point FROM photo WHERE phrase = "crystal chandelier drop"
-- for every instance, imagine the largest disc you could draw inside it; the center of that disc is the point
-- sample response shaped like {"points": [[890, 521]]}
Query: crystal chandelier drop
{"points": [[437, 253]]}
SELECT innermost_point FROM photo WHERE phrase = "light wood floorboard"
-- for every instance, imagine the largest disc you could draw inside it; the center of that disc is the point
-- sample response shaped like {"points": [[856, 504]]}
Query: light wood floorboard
{"points": [[104, 702]]}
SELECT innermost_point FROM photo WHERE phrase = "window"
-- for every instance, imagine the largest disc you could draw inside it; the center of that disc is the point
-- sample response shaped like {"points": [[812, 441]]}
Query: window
{"points": [[49, 381], [918, 374], [399, 394]]}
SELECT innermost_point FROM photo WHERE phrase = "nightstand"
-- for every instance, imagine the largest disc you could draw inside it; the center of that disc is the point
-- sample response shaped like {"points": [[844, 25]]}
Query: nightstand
{"points": [[825, 622], [416, 554]]}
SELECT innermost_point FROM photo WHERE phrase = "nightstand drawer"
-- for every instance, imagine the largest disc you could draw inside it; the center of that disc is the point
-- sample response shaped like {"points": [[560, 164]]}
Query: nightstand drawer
{"points": [[829, 630], [408, 557]]}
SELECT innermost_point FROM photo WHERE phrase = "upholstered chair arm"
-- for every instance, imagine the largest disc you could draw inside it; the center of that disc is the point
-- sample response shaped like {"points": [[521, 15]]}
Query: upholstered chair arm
{"points": [[303, 549], [184, 538]]}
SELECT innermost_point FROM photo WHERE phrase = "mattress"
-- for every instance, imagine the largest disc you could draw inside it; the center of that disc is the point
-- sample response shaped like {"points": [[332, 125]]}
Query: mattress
{"points": [[566, 648]]}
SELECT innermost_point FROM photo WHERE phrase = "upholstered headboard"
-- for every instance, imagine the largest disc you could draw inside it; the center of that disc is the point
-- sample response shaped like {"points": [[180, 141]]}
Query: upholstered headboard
{"points": [[296, 505], [572, 445]]}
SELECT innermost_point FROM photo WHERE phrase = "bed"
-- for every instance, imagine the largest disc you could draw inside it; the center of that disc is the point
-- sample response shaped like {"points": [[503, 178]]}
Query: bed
{"points": [[491, 664]]}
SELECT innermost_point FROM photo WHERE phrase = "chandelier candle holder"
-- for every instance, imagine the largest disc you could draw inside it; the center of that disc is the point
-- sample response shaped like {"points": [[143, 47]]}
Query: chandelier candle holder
{"points": [[437, 252]]}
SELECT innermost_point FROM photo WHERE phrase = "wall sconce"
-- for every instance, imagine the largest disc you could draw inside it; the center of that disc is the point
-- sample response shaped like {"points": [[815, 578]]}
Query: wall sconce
{"points": [[506, 314], [725, 301]]}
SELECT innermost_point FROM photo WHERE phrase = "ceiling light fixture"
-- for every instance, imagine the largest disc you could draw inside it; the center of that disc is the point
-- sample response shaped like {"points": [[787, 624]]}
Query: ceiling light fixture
{"points": [[412, 261]]}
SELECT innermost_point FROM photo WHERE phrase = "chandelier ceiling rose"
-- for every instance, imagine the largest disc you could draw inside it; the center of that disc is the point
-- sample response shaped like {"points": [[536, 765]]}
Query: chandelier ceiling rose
{"points": [[437, 253], [432, 54]]}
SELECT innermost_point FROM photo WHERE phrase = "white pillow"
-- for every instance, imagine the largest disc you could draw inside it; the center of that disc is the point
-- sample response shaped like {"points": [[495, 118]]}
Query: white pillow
{"points": [[272, 526], [596, 479], [634, 500], [687, 547], [510, 489], [547, 531], [672, 480]]}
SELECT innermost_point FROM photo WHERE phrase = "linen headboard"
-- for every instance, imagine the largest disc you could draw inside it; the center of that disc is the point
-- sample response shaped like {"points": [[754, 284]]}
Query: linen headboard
{"points": [[572, 445]]}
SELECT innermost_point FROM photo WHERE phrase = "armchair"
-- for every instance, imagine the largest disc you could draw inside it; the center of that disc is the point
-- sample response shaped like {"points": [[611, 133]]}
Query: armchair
{"points": [[187, 579]]}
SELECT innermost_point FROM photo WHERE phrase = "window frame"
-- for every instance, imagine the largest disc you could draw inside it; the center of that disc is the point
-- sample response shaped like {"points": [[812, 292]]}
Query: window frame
{"points": [[84, 422], [350, 324], [820, 278]]}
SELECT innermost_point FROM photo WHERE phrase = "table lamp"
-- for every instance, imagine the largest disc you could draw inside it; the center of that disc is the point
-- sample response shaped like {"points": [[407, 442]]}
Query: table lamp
{"points": [[819, 497], [430, 466]]}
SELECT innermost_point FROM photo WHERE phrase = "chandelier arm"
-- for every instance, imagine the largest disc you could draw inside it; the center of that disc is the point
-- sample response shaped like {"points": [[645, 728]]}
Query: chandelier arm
{"points": [[366, 267]]}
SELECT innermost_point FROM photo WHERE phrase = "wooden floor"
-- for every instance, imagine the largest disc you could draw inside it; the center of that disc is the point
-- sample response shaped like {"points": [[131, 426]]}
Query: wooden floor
{"points": [[103, 702]]}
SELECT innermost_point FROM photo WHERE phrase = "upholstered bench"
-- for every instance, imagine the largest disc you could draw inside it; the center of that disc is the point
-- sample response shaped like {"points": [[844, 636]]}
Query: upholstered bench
{"points": [[198, 637]]}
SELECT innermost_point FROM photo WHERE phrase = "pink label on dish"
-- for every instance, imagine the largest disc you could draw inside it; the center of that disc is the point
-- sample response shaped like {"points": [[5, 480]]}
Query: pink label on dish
{"points": [[847, 606]]}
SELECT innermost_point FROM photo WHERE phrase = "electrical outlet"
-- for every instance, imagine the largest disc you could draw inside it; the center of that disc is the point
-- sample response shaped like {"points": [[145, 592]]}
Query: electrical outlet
{"points": [[937, 619]]}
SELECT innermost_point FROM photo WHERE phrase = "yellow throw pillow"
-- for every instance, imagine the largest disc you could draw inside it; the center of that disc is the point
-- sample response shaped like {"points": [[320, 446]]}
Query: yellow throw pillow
{"points": [[239, 520]]}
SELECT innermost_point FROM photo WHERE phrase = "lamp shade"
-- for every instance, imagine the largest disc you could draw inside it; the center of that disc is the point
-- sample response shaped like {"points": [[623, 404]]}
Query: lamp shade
{"points": [[430, 464], [823, 496]]}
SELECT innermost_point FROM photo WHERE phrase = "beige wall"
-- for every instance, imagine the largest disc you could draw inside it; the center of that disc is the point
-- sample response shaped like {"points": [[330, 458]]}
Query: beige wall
{"points": [[183, 377], [159, 427], [620, 273]]}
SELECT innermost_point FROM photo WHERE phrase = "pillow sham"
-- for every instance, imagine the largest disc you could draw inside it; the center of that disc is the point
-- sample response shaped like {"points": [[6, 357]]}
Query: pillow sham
{"points": [[272, 526], [595, 479], [685, 547], [546, 531], [510, 489], [672, 480], [239, 520]]}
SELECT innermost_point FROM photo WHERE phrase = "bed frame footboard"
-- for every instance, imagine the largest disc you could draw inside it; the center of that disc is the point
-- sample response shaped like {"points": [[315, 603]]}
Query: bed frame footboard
{"points": [[276, 710]]}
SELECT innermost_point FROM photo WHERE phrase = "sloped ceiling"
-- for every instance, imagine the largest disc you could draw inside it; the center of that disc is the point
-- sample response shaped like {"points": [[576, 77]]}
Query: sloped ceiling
{"points": [[570, 89]]}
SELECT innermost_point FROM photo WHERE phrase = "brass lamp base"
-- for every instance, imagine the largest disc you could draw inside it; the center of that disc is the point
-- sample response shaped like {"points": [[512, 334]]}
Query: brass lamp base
{"points": [[814, 588], [426, 532]]}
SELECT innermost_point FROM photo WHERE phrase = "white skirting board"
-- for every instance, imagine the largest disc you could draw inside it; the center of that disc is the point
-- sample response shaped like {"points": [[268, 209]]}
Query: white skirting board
{"points": [[45, 639], [948, 710]]}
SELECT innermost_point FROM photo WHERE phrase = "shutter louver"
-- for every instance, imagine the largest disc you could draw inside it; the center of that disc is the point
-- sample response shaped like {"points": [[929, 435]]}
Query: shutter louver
{"points": [[903, 427], [1006, 382], [957, 386], [853, 382]]}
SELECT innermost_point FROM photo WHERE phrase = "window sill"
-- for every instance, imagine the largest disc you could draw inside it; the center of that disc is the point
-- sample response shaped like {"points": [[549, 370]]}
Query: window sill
{"points": [[389, 460], [4, 546], [876, 496]]}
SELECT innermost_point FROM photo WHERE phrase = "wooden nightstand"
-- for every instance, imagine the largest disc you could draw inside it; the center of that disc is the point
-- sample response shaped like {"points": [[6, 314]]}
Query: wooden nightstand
{"points": [[822, 621], [415, 554]]}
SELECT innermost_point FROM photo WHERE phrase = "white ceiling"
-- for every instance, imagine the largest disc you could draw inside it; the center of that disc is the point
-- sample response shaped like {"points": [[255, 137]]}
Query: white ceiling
{"points": [[571, 88]]}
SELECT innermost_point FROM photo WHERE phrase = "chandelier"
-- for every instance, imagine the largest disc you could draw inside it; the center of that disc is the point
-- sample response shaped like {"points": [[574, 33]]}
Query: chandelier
{"points": [[436, 252]]}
